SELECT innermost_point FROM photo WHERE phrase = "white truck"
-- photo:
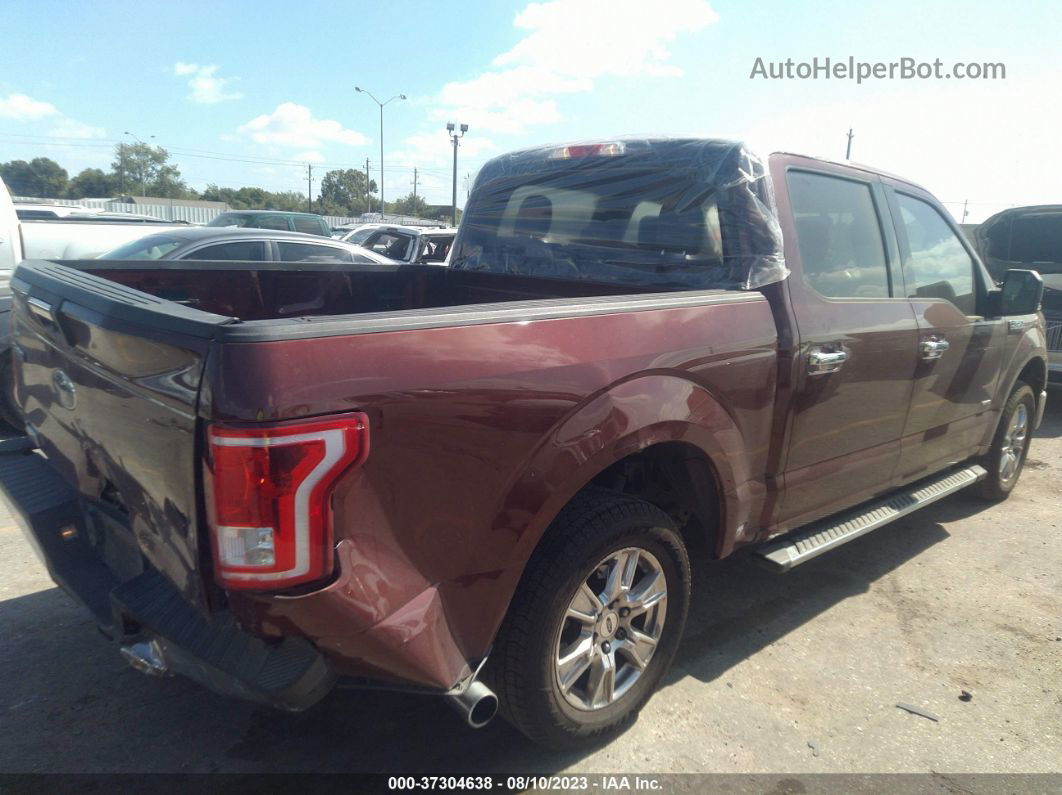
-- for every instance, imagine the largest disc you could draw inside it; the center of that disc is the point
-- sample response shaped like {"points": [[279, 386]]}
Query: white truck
{"points": [[82, 238]]}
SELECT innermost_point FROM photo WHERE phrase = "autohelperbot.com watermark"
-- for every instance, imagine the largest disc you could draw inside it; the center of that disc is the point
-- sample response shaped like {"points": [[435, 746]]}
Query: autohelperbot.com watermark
{"points": [[861, 71]]}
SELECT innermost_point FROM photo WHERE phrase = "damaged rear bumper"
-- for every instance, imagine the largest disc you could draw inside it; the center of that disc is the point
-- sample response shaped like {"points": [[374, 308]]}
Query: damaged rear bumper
{"points": [[146, 611]]}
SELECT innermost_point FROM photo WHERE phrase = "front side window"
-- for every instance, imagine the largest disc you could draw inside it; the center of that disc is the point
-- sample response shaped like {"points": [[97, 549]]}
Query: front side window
{"points": [[271, 222], [311, 252], [243, 250], [311, 226], [936, 265], [838, 235]]}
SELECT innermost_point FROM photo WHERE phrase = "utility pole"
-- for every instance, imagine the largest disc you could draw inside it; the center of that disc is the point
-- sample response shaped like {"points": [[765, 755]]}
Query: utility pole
{"points": [[468, 184], [309, 187], [143, 171], [456, 140], [964, 211], [414, 190], [848, 151]]}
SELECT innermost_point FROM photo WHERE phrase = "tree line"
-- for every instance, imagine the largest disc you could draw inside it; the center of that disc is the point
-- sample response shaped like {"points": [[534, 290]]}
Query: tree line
{"points": [[140, 169]]}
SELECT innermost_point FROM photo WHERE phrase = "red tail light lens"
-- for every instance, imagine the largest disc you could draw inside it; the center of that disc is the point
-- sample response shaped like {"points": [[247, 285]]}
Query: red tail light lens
{"points": [[268, 498], [588, 150]]}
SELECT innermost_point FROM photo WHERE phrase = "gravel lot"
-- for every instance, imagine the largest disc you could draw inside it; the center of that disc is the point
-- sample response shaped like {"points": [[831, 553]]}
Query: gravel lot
{"points": [[797, 673]]}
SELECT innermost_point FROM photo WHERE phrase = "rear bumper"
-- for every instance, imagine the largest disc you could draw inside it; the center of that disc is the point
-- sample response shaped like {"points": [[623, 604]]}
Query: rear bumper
{"points": [[288, 673]]}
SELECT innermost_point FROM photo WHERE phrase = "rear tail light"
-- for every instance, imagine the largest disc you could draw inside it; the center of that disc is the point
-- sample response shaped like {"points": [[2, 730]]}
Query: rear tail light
{"points": [[269, 494]]}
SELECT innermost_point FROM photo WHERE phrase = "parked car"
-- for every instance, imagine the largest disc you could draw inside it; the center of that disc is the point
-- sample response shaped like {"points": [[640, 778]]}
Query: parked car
{"points": [[309, 223], [408, 244], [481, 481], [1030, 237], [10, 256], [242, 244]]}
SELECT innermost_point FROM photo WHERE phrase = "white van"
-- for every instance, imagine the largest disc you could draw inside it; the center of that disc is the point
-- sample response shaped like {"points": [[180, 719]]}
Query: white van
{"points": [[10, 256]]}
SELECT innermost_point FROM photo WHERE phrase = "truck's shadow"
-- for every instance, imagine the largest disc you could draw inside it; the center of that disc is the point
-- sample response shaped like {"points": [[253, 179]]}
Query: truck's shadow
{"points": [[60, 680]]}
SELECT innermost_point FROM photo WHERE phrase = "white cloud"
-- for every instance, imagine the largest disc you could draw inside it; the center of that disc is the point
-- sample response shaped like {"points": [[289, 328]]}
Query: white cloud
{"points": [[71, 128], [569, 44], [434, 149], [310, 156], [293, 125], [206, 87], [23, 108], [951, 151]]}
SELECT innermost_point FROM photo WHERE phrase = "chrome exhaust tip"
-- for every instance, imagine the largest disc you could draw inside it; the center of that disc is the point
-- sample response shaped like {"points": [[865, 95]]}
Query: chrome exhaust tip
{"points": [[146, 656], [477, 704]]}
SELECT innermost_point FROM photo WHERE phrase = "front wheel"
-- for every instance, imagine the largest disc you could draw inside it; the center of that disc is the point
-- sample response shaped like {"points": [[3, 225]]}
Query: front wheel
{"points": [[595, 622], [1010, 445]]}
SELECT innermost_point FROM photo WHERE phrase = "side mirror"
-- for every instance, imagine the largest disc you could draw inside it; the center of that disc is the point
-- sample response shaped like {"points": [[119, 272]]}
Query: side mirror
{"points": [[1022, 292]]}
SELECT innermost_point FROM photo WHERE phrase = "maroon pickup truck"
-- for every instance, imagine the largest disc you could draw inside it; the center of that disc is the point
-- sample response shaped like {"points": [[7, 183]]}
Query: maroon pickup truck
{"points": [[481, 481]]}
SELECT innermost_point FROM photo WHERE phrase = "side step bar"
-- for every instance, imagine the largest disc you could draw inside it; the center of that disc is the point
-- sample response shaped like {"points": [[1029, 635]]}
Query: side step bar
{"points": [[800, 546]]}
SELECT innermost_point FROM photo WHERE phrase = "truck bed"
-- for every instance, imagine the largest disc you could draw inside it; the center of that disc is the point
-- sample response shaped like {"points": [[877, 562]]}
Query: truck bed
{"points": [[280, 300]]}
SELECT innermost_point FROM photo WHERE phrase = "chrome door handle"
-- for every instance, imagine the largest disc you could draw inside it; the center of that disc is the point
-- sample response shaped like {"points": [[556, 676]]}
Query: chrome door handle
{"points": [[821, 362], [934, 348]]}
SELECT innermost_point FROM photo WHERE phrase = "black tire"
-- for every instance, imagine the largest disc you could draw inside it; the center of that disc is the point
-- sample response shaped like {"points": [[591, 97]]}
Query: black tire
{"points": [[523, 666], [9, 412], [1001, 482]]}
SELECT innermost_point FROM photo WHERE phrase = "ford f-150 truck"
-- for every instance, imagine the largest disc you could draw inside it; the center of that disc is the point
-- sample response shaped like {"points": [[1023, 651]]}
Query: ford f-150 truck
{"points": [[481, 481]]}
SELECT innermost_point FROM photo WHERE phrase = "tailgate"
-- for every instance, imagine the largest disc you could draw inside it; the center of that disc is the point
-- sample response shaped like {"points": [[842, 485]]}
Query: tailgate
{"points": [[108, 379]]}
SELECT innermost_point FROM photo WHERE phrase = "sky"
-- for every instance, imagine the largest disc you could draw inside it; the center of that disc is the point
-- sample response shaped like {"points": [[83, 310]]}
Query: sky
{"points": [[247, 93]]}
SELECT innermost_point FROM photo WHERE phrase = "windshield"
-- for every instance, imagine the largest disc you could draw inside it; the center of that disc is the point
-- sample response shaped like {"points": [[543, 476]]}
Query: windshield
{"points": [[150, 247], [659, 214], [358, 236], [231, 219]]}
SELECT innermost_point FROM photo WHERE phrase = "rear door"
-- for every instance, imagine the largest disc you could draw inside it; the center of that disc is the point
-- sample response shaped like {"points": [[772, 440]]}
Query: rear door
{"points": [[108, 380], [857, 338], [960, 351]]}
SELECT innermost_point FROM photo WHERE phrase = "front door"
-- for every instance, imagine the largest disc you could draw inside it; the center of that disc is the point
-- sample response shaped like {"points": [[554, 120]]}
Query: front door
{"points": [[960, 350]]}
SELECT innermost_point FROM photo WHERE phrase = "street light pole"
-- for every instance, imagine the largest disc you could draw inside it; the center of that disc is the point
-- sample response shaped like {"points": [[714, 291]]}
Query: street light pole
{"points": [[361, 90], [456, 140]]}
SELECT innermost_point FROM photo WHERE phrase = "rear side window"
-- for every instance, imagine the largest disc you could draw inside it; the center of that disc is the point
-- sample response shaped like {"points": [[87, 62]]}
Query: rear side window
{"points": [[236, 250], [936, 265], [838, 236], [311, 226], [311, 252]]}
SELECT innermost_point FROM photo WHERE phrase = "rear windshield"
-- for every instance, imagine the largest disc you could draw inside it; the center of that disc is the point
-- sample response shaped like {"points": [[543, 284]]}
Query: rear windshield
{"points": [[1034, 238], [150, 247], [661, 214]]}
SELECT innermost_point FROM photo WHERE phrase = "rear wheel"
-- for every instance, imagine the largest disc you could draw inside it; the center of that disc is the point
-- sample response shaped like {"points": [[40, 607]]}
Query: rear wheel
{"points": [[1006, 457], [595, 622]]}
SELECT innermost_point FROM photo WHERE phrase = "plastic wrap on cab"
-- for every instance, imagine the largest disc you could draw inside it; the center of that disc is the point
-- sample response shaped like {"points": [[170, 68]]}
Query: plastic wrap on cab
{"points": [[655, 214]]}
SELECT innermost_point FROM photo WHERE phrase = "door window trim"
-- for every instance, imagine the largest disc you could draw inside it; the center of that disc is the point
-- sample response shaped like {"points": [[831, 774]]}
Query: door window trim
{"points": [[976, 266]]}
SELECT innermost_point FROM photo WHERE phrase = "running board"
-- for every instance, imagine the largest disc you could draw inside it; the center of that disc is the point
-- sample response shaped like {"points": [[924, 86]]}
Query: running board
{"points": [[800, 546]]}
